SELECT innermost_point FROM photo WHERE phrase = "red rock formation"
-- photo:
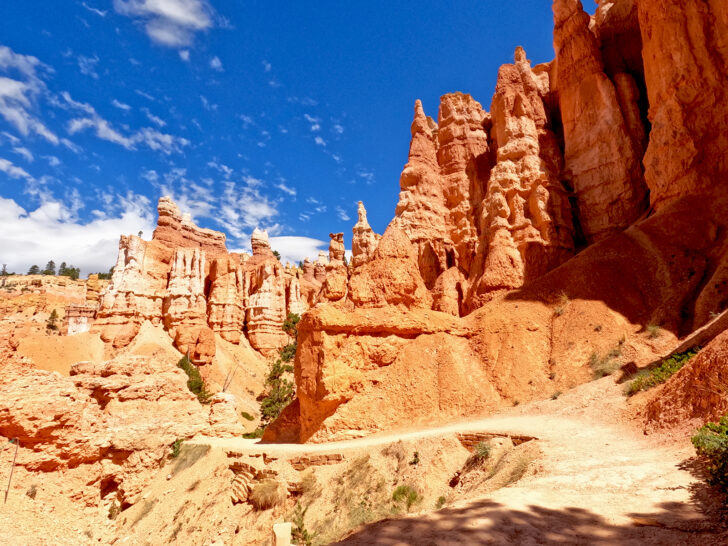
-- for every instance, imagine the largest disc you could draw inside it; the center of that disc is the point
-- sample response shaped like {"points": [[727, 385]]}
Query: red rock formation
{"points": [[484, 218], [175, 230], [364, 241], [685, 52], [602, 158], [441, 184], [197, 289]]}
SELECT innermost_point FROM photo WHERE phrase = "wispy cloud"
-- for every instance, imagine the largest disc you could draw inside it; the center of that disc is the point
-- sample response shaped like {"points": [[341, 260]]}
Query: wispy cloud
{"points": [[25, 152], [287, 189], [146, 136], [216, 64], [207, 105], [342, 214], [145, 95], [315, 123], [159, 122], [100, 13], [267, 66], [184, 54], [171, 23], [320, 141], [87, 66], [12, 170], [120, 105], [18, 97]]}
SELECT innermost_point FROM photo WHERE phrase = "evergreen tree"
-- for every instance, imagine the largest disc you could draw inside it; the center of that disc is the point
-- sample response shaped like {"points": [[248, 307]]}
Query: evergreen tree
{"points": [[277, 255], [51, 324], [50, 268], [34, 270], [4, 272], [62, 271]]}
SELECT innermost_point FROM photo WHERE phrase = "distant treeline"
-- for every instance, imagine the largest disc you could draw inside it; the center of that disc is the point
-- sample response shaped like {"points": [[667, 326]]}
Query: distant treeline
{"points": [[64, 270]]}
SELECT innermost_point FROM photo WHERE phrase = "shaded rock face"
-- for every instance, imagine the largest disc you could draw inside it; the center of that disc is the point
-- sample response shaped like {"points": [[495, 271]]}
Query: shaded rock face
{"points": [[114, 421], [185, 279], [458, 303]]}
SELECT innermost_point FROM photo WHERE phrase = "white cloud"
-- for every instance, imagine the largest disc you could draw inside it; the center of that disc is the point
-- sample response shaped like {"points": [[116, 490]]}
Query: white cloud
{"points": [[337, 128], [151, 138], [51, 232], [25, 152], [87, 66], [171, 23], [145, 95], [13, 171], [53, 161], [121, 105], [342, 214], [207, 105], [184, 54], [159, 122], [287, 189], [315, 122], [100, 13], [320, 141], [275, 84], [243, 209], [220, 167], [266, 66], [216, 64], [296, 249], [367, 176], [18, 96]]}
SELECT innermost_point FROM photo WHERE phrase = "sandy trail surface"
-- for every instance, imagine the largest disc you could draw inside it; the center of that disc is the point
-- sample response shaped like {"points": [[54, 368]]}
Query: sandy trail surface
{"points": [[600, 481]]}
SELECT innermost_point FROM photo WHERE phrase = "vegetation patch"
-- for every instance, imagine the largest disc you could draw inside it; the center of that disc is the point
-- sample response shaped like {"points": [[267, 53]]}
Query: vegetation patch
{"points": [[711, 444], [299, 533], [607, 364], [194, 380], [176, 446], [267, 494], [407, 495], [188, 455], [646, 379], [482, 451]]}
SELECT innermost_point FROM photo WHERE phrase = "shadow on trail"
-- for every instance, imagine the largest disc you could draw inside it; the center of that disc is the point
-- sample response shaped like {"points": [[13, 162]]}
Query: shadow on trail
{"points": [[485, 521]]}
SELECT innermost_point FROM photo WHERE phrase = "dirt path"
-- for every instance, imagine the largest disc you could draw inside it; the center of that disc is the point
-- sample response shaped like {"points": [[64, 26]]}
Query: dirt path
{"points": [[600, 481]]}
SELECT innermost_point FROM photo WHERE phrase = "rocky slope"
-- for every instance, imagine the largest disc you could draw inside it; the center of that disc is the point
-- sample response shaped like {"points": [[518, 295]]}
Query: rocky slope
{"points": [[539, 237]]}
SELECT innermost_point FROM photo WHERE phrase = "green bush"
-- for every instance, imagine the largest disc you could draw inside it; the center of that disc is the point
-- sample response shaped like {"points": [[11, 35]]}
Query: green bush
{"points": [[194, 380], [603, 365], [406, 494], [653, 331], [299, 533], [257, 433], [482, 451], [647, 379], [441, 500], [245, 415], [51, 323], [176, 446], [711, 444], [415, 459]]}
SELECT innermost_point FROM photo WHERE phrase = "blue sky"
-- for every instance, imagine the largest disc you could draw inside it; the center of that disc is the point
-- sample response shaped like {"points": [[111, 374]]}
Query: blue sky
{"points": [[279, 115]]}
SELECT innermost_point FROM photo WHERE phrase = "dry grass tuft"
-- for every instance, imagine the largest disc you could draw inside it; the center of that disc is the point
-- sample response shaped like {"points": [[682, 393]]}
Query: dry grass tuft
{"points": [[267, 494]]}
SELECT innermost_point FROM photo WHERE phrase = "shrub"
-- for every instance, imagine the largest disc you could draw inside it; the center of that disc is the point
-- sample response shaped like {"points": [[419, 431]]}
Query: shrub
{"points": [[441, 500], [309, 483], [32, 491], [563, 302], [299, 533], [415, 459], [290, 325], [245, 415], [711, 444], [288, 352], [52, 319], [653, 331], [176, 446], [406, 494], [114, 510], [605, 364], [194, 380], [647, 379], [267, 494], [556, 395], [482, 451], [257, 433]]}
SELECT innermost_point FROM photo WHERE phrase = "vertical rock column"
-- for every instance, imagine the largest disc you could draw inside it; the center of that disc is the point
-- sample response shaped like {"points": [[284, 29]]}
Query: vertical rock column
{"points": [[602, 160]]}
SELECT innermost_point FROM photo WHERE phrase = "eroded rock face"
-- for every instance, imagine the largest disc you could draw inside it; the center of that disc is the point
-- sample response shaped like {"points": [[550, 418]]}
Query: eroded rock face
{"points": [[176, 230], [602, 157], [442, 183], [115, 420], [686, 71]]}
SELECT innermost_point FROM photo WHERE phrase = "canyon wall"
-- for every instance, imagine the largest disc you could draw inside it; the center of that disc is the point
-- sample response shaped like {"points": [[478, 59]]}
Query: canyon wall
{"points": [[584, 206]]}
